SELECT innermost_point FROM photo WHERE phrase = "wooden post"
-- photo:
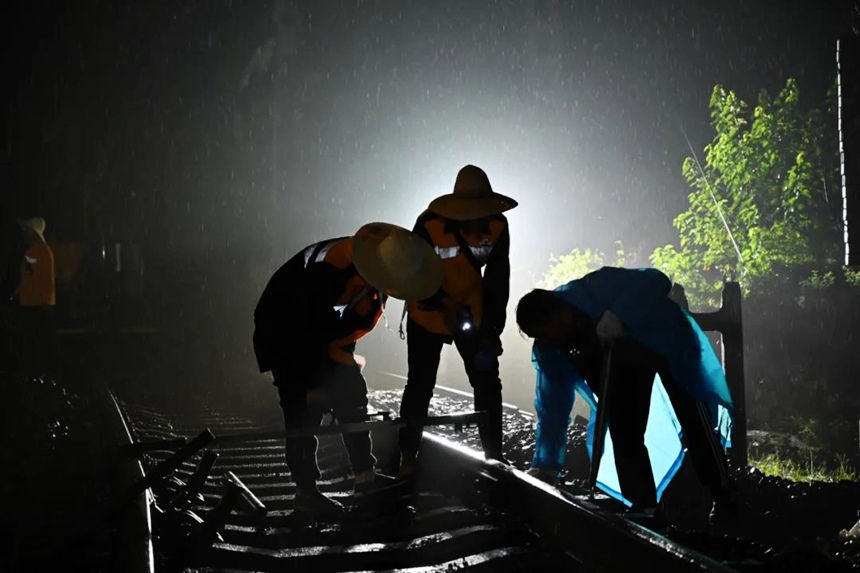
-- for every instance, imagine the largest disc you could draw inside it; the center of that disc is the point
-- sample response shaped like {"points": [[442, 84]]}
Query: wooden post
{"points": [[733, 361], [728, 321]]}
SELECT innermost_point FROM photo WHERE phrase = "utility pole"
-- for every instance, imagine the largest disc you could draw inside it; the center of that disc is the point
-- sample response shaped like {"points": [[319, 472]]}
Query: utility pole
{"points": [[848, 70]]}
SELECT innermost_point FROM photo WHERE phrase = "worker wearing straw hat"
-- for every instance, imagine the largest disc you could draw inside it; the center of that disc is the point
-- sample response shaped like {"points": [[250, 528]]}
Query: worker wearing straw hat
{"points": [[469, 232], [316, 307]]}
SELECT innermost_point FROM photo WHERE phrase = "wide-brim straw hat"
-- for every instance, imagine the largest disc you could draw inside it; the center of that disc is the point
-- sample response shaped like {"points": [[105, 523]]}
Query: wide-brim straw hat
{"points": [[36, 224], [473, 198], [396, 261]]}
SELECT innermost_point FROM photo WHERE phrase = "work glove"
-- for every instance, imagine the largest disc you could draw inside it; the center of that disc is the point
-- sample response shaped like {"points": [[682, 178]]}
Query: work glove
{"points": [[609, 329], [546, 475], [360, 361]]}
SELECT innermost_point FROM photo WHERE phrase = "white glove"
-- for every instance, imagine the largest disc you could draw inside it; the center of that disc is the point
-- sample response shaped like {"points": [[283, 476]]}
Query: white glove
{"points": [[360, 360], [545, 475], [609, 328]]}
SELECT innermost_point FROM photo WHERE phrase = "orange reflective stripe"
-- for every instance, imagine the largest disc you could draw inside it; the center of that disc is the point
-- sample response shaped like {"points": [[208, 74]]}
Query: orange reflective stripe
{"points": [[462, 283]]}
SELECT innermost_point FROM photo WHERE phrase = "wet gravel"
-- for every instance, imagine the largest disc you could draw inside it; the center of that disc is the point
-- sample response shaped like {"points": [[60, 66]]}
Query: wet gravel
{"points": [[782, 525], [55, 445], [57, 478]]}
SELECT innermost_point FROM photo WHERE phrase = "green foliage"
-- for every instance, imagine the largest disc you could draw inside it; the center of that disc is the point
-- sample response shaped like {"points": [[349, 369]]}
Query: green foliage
{"points": [[787, 468], [852, 277], [759, 203], [764, 210], [578, 263], [818, 279]]}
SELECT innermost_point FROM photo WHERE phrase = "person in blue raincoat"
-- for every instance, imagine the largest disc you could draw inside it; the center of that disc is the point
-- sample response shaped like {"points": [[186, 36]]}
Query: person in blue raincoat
{"points": [[666, 386]]}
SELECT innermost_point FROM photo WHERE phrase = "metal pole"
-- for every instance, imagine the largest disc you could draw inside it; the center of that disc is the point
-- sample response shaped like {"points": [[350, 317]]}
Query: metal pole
{"points": [[600, 424], [251, 502], [456, 420], [164, 469], [848, 107]]}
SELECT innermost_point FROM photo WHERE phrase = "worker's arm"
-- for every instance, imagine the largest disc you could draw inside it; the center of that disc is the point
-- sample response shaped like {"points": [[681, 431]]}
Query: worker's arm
{"points": [[325, 286], [497, 289], [433, 302], [555, 391]]}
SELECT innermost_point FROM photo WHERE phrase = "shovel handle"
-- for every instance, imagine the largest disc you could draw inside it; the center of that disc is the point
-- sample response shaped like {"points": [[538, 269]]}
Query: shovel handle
{"points": [[600, 428]]}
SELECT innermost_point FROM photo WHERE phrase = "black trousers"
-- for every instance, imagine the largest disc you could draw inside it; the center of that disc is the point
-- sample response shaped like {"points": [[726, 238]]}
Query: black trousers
{"points": [[631, 380], [38, 342], [346, 397], [424, 350]]}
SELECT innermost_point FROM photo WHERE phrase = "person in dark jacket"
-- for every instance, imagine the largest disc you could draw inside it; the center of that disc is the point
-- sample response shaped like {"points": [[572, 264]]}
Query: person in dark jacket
{"points": [[470, 234], [628, 313], [306, 324]]}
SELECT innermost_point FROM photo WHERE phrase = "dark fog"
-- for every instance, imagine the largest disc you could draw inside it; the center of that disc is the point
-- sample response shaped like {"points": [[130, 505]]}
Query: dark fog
{"points": [[212, 140]]}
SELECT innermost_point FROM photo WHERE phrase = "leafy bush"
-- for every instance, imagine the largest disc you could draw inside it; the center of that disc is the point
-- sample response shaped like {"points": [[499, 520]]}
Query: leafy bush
{"points": [[764, 211]]}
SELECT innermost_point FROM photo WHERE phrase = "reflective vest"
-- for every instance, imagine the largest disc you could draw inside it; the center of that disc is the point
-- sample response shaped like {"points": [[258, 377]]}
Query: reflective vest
{"points": [[358, 301], [37, 276], [462, 282]]}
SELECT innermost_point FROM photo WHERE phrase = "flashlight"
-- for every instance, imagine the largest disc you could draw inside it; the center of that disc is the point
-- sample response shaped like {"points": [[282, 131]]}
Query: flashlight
{"points": [[465, 320]]}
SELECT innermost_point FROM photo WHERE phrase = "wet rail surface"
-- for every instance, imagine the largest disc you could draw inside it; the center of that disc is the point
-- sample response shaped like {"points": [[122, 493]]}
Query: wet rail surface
{"points": [[463, 513]]}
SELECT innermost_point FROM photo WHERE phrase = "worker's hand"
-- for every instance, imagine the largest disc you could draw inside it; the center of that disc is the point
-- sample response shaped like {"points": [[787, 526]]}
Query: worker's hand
{"points": [[609, 328], [360, 360], [545, 475]]}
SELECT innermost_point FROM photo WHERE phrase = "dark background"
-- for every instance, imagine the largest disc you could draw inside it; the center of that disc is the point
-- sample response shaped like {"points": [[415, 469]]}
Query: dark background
{"points": [[214, 139]]}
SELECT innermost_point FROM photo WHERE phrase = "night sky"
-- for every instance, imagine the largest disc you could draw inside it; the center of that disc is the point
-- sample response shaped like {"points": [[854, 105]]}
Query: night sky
{"points": [[221, 131]]}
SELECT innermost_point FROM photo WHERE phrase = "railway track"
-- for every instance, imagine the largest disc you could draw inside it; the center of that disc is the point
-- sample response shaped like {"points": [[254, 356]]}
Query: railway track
{"points": [[221, 500]]}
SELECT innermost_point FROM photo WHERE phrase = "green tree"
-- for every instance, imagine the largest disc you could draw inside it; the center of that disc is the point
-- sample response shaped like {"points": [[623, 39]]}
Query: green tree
{"points": [[762, 205], [577, 263], [764, 210]]}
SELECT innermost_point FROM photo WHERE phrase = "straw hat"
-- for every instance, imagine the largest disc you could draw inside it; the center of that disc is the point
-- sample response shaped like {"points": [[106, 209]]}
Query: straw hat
{"points": [[396, 261], [473, 197], [36, 224]]}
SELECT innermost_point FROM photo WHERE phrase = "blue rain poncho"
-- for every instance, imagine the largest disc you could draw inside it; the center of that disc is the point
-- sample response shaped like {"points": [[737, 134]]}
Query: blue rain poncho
{"points": [[639, 297]]}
